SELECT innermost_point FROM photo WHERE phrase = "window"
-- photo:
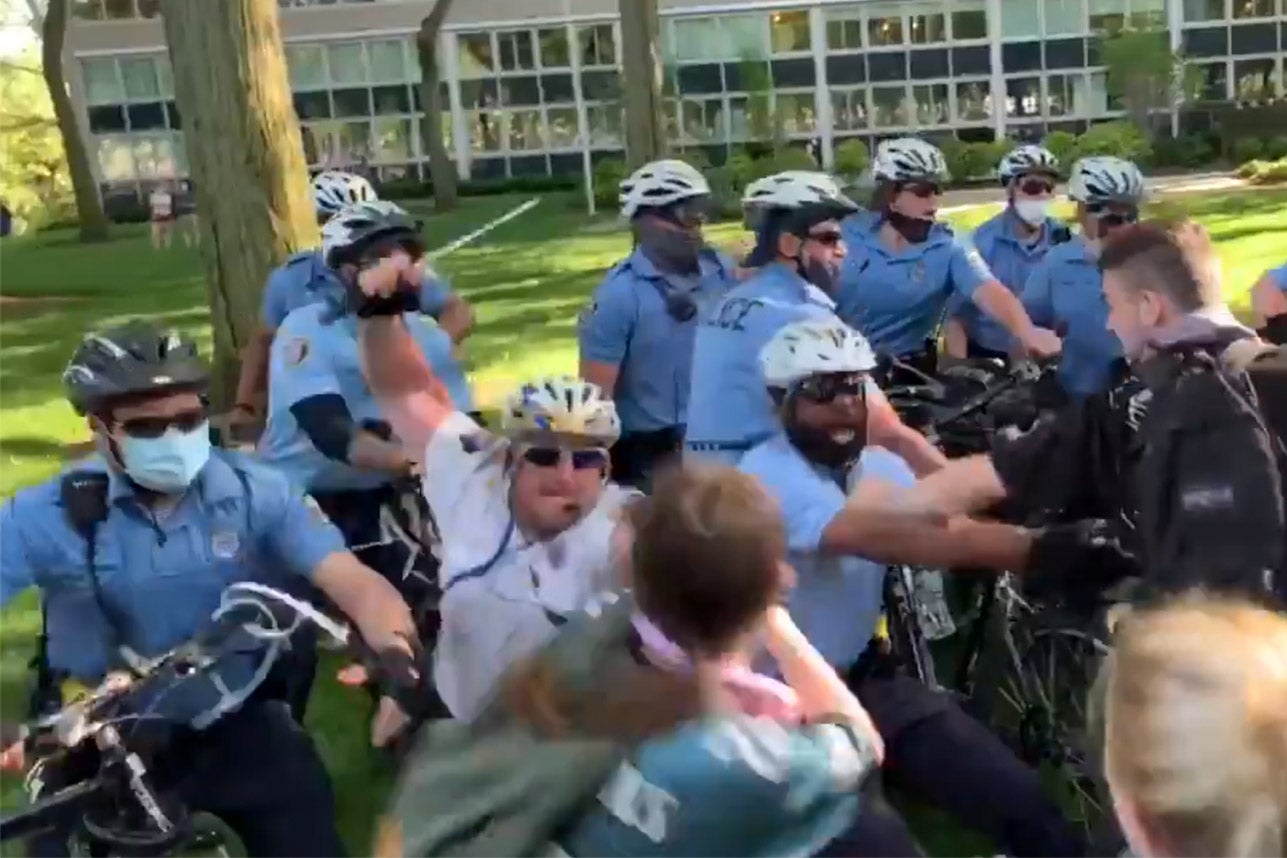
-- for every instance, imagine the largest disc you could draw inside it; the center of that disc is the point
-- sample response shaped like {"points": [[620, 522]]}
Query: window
{"points": [[844, 28], [554, 47], [307, 66], [388, 61], [969, 19], [562, 127], [1204, 10], [1148, 13], [88, 10], [884, 25], [526, 131], [1253, 80], [1064, 17], [744, 35], [475, 51], [154, 156], [390, 99], [931, 104], [849, 109], [1107, 16], [1061, 93], [149, 8], [114, 9], [102, 86], [789, 32], [973, 101], [1253, 8], [1096, 94], [164, 76], [347, 63], [605, 124], [1023, 96], [1213, 81], [1020, 19], [139, 77], [484, 130], [889, 106], [115, 160], [598, 45], [695, 38], [352, 102], [702, 120], [926, 23], [516, 51], [797, 111]]}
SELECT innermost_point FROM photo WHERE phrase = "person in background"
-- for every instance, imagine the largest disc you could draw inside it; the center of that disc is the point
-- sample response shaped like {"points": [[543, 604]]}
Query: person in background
{"points": [[161, 206], [1269, 302], [305, 278], [1012, 243], [1195, 729], [1065, 291], [903, 266], [186, 208], [636, 335]]}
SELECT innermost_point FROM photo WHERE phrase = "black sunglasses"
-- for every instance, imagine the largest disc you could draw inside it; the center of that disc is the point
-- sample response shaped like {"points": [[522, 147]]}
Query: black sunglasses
{"points": [[824, 389], [830, 238], [1034, 187], [155, 427], [582, 460], [1112, 219], [924, 190], [689, 214]]}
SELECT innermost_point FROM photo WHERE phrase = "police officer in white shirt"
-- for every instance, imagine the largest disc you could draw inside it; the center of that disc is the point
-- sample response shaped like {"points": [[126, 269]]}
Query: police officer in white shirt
{"points": [[528, 519]]}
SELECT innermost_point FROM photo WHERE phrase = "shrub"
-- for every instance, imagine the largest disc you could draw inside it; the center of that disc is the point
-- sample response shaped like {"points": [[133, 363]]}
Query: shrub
{"points": [[1249, 169], [1117, 139], [1063, 145], [695, 158], [967, 161], [1197, 150], [1276, 147], [608, 174], [792, 158], [726, 196], [852, 157], [1267, 172], [741, 169], [1248, 149]]}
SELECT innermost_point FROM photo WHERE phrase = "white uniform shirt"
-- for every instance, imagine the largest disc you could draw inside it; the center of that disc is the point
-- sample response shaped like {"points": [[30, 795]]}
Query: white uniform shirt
{"points": [[500, 591]]}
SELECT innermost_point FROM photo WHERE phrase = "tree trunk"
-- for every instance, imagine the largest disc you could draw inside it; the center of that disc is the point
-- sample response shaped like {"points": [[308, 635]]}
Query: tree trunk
{"points": [[641, 63], [442, 171], [89, 205], [246, 157]]}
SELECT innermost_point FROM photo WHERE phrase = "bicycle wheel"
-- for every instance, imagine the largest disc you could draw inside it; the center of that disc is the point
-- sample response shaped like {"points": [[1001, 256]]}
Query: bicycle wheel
{"points": [[906, 639]]}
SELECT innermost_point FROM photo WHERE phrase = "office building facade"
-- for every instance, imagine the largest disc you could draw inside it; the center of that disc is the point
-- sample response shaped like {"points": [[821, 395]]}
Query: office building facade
{"points": [[531, 85]]}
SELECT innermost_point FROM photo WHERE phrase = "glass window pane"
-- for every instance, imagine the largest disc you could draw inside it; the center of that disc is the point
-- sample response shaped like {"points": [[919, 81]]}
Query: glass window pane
{"points": [[694, 38], [1149, 13], [476, 58], [485, 130], [392, 139], [844, 34], [347, 63], [1253, 8], [149, 8], [139, 76], [391, 99], [89, 10], [849, 109], [1023, 96], [1204, 10], [605, 124], [743, 35], [1253, 80], [884, 25], [889, 106], [797, 112], [932, 106], [154, 156], [118, 9], [352, 102], [164, 75], [1213, 81], [789, 31], [307, 66], [1107, 16], [388, 61], [973, 101], [561, 122], [1060, 90], [526, 131], [703, 120], [1020, 19], [969, 19], [926, 23], [598, 45], [1096, 98], [115, 160], [1064, 17], [554, 47], [516, 50], [101, 83]]}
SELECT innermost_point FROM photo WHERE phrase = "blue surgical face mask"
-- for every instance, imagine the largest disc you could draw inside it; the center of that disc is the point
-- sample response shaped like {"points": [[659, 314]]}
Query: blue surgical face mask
{"points": [[169, 463]]}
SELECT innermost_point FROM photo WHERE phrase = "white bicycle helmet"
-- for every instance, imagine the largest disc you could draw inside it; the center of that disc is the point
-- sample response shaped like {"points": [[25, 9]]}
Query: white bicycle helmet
{"points": [[661, 183], [1105, 179], [1027, 159], [561, 406], [908, 159], [335, 189], [358, 225], [813, 347]]}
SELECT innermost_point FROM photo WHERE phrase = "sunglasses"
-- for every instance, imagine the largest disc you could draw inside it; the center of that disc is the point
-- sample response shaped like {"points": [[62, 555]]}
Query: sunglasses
{"points": [[1036, 187], [582, 460], [155, 427], [1111, 219], [823, 389], [924, 190], [688, 214], [830, 238]]}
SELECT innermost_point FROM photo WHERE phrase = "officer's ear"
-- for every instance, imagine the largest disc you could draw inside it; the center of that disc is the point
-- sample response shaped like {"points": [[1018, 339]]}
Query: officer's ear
{"points": [[99, 424], [789, 245]]}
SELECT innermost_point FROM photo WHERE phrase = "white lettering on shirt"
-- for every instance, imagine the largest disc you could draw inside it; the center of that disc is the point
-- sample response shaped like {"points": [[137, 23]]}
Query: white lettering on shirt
{"points": [[637, 803]]}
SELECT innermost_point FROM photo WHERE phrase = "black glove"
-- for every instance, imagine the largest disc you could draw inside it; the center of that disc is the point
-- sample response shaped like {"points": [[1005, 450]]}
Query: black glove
{"points": [[408, 679], [1083, 558]]}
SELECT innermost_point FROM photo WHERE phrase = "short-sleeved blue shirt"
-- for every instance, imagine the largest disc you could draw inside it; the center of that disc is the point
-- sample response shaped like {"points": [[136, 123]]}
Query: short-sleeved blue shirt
{"points": [[1012, 260], [315, 353], [627, 325], [1065, 293], [1279, 276], [162, 575], [897, 299]]}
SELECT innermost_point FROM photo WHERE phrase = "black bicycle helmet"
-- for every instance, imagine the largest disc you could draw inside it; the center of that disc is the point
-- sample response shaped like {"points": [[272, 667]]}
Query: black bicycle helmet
{"points": [[355, 228], [135, 358]]}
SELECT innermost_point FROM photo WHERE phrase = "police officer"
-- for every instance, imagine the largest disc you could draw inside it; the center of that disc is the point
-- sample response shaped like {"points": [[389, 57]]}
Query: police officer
{"points": [[325, 429], [134, 547], [1064, 292], [903, 266], [636, 336], [304, 278], [1269, 301], [1011, 243], [798, 254], [817, 372]]}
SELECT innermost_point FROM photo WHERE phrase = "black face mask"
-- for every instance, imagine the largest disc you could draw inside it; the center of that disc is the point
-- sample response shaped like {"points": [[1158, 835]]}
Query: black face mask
{"points": [[674, 251], [913, 229]]}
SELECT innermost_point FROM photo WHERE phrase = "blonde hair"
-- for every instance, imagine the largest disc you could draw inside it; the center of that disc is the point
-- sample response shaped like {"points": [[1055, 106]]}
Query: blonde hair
{"points": [[1196, 726]]}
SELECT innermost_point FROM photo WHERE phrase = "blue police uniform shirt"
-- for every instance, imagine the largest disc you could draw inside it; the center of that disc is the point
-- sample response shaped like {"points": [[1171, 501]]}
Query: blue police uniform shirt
{"points": [[1279, 276], [1012, 260], [729, 409], [1065, 293], [315, 353], [161, 575], [626, 325], [728, 785], [837, 600], [897, 299], [304, 279]]}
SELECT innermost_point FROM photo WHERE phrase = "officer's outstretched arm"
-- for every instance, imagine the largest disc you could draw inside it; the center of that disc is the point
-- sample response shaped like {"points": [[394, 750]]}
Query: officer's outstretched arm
{"points": [[375, 607], [961, 487], [412, 398]]}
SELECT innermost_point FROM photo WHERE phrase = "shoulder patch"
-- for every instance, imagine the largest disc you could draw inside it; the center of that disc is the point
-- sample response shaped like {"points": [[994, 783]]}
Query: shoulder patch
{"points": [[296, 351], [587, 312]]}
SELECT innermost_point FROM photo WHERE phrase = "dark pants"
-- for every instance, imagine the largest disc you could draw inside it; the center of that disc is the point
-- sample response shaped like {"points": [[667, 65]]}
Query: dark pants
{"points": [[256, 770], [940, 755], [637, 455]]}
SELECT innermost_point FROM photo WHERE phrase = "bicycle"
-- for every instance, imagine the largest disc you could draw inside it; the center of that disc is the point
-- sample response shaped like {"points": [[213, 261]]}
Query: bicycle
{"points": [[112, 804]]}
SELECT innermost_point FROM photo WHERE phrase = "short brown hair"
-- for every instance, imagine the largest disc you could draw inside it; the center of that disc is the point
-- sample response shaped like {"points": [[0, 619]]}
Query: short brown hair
{"points": [[1175, 259], [706, 554]]}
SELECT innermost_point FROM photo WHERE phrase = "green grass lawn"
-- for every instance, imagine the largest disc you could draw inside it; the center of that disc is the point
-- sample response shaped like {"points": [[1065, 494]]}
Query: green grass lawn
{"points": [[527, 280]]}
